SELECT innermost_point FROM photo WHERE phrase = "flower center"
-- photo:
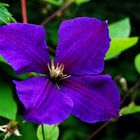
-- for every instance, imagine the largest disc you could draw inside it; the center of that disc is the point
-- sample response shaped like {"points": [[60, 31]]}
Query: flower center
{"points": [[56, 72]]}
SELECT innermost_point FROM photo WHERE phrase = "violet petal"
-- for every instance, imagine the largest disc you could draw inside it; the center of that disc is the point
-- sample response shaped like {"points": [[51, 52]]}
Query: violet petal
{"points": [[23, 46], [95, 98], [44, 103], [83, 43]]}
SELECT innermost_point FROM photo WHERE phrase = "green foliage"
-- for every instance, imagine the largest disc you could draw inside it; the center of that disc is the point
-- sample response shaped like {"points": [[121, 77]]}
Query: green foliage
{"points": [[5, 16], [28, 131], [137, 63], [118, 45], [52, 33], [61, 2], [55, 2], [74, 129], [8, 107], [119, 33], [6, 67], [10, 71], [50, 132], [78, 2], [3, 4], [2, 59], [120, 29], [130, 109]]}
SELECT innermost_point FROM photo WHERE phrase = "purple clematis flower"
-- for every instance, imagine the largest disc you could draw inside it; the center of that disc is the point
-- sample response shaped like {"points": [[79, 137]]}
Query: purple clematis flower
{"points": [[70, 84]]}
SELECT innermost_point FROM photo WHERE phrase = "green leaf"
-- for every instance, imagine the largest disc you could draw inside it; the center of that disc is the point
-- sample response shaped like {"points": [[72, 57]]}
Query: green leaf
{"points": [[50, 132], [130, 109], [55, 2], [118, 45], [78, 2], [6, 67], [5, 16], [137, 63], [4, 4], [120, 29], [8, 106], [2, 59]]}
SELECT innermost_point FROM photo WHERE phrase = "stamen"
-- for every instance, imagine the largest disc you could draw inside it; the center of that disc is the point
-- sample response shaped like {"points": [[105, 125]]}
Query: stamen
{"points": [[57, 86], [56, 72], [49, 67], [52, 66], [65, 77]]}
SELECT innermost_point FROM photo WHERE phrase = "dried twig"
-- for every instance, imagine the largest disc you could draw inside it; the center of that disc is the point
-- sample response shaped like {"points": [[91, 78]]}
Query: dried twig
{"points": [[65, 6], [98, 130], [132, 89]]}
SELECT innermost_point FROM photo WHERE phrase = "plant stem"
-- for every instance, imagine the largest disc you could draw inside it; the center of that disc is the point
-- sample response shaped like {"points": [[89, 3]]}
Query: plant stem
{"points": [[61, 9], [24, 11], [98, 130], [43, 134], [132, 89]]}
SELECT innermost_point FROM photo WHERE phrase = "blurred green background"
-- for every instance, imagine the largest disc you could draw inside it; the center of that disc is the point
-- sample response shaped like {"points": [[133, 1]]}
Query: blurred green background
{"points": [[126, 127]]}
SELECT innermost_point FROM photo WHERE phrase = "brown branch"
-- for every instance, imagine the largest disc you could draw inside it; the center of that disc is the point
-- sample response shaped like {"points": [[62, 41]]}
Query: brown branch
{"points": [[98, 130], [65, 6], [131, 90]]}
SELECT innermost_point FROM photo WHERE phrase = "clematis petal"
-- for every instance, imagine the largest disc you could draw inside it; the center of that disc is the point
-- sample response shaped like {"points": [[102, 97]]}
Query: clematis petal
{"points": [[24, 47], [95, 98], [44, 103], [83, 43]]}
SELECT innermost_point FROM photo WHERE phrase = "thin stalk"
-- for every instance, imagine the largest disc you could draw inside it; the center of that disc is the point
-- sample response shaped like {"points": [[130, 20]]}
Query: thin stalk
{"points": [[24, 11], [43, 134], [64, 7]]}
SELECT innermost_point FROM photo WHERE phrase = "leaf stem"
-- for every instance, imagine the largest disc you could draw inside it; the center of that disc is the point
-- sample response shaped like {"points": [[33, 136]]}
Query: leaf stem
{"points": [[43, 134], [24, 11]]}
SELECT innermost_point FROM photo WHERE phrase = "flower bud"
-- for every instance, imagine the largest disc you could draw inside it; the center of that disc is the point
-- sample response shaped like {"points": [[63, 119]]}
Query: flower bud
{"points": [[10, 129]]}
